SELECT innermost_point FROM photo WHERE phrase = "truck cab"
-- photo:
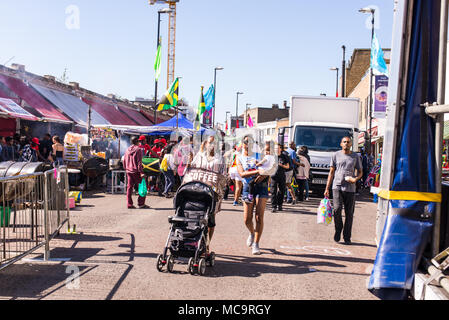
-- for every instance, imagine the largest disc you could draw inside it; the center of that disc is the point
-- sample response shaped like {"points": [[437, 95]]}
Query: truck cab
{"points": [[320, 123]]}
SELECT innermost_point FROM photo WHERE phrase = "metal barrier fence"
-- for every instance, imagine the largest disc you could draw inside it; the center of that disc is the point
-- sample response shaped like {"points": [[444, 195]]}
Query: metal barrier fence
{"points": [[33, 208]]}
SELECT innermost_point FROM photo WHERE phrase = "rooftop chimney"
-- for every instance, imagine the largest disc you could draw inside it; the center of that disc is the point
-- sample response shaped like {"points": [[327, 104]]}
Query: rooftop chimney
{"points": [[74, 85], [50, 78], [18, 67]]}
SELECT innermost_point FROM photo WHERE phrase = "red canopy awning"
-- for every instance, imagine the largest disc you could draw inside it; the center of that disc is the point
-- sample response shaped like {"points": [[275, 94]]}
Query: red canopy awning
{"points": [[136, 116], [33, 99], [110, 113], [13, 110]]}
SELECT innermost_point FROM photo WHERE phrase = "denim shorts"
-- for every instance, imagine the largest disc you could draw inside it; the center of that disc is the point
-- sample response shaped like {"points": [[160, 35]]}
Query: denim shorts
{"points": [[261, 190]]}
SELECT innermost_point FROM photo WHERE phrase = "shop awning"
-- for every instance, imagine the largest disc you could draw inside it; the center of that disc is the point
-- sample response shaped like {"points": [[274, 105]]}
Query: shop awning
{"points": [[44, 108], [13, 110], [72, 106], [136, 116], [110, 112]]}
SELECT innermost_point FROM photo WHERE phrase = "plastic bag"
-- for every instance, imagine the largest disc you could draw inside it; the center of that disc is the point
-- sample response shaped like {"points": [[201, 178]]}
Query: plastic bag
{"points": [[325, 212], [143, 191]]}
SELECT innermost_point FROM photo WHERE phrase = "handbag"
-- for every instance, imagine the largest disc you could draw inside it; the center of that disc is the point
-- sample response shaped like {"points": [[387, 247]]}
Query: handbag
{"points": [[325, 212], [143, 190]]}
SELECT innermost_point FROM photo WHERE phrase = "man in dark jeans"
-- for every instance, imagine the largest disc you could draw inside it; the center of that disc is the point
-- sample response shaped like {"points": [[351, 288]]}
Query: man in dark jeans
{"points": [[278, 181], [342, 177]]}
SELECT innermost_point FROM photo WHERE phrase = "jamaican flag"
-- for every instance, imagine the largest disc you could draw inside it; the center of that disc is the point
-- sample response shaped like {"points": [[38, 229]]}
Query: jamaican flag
{"points": [[170, 98], [201, 110]]}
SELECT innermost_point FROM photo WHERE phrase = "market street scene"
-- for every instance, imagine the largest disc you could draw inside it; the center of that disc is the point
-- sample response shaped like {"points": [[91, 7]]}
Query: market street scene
{"points": [[155, 151]]}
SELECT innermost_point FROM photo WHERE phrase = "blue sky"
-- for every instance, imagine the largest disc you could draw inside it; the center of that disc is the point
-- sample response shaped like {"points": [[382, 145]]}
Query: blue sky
{"points": [[270, 49]]}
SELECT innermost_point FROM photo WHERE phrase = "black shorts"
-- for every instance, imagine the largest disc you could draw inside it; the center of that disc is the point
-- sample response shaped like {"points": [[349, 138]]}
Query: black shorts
{"points": [[211, 223]]}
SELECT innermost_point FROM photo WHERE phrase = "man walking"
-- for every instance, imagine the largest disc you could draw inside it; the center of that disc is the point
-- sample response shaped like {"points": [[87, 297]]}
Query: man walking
{"points": [[342, 177], [278, 187], [134, 171]]}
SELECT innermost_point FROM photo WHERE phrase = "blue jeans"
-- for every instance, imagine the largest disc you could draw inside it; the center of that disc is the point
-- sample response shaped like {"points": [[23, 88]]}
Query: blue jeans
{"points": [[169, 180], [307, 189]]}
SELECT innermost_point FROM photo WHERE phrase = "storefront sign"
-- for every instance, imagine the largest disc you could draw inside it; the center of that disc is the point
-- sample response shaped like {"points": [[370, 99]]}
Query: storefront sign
{"points": [[380, 97]]}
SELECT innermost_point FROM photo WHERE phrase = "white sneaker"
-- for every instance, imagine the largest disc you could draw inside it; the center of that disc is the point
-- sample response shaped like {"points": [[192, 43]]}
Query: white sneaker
{"points": [[250, 240], [256, 249]]}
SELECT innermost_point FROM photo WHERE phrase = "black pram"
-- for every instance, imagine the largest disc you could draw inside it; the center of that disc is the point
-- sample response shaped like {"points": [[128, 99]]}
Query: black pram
{"points": [[195, 203]]}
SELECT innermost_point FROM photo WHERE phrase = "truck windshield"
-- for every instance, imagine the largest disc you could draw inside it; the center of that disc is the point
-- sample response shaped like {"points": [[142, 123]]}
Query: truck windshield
{"points": [[321, 138]]}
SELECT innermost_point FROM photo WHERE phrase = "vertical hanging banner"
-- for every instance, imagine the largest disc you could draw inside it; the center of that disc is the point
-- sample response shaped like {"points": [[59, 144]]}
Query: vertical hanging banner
{"points": [[207, 118], [380, 97]]}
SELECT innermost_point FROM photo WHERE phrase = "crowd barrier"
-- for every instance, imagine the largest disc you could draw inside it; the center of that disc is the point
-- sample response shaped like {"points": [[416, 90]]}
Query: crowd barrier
{"points": [[33, 208]]}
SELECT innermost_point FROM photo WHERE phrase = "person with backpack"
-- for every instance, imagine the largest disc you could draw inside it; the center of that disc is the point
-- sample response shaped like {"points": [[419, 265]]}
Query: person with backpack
{"points": [[294, 164], [168, 168]]}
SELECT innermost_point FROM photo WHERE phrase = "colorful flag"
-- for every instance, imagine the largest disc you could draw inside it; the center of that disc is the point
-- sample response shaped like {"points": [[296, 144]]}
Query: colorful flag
{"points": [[201, 110], [170, 98], [377, 58], [250, 122], [157, 63], [209, 98]]}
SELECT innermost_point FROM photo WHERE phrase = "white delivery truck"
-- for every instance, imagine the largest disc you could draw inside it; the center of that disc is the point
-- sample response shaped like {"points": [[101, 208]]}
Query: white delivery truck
{"points": [[320, 123]]}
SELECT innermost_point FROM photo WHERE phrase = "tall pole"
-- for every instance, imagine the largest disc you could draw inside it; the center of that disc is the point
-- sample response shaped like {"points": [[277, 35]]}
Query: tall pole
{"points": [[237, 108], [215, 89], [439, 126], [343, 74], [337, 83], [215, 92], [156, 80], [371, 90]]}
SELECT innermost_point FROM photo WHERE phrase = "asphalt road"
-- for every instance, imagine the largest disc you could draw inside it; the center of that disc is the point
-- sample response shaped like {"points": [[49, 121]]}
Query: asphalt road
{"points": [[113, 256]]}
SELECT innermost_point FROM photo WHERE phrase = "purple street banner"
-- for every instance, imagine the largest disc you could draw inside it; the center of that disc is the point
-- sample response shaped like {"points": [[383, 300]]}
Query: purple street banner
{"points": [[207, 118], [380, 97]]}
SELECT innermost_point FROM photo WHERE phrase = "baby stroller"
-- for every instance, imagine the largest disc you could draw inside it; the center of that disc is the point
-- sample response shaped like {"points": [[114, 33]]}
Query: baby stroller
{"points": [[195, 203]]}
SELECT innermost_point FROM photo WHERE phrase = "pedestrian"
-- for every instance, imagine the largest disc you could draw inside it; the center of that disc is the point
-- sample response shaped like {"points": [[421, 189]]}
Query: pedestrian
{"points": [[260, 195], [208, 159], [303, 174], [30, 151], [236, 178], [45, 147], [169, 174], [144, 146], [2, 147], [57, 156], [278, 181], [346, 170], [9, 152], [294, 163], [132, 163], [309, 180]]}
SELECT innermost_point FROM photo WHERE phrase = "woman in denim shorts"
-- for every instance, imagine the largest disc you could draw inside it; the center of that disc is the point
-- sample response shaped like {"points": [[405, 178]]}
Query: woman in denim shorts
{"points": [[260, 195]]}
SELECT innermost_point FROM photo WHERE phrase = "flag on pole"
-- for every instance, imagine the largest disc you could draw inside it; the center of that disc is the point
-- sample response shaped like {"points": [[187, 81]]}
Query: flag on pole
{"points": [[170, 98], [250, 122], [377, 58], [201, 110], [209, 98], [157, 63]]}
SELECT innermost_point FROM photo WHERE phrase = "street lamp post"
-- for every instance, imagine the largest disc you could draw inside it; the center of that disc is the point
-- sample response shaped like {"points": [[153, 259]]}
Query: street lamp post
{"points": [[227, 112], [158, 42], [237, 109], [336, 69], [372, 11], [343, 73], [215, 91]]}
